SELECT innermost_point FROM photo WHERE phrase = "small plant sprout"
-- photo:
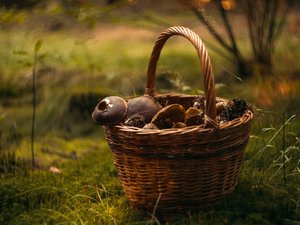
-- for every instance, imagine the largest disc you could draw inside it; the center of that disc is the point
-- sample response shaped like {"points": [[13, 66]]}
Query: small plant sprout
{"points": [[32, 61], [36, 59]]}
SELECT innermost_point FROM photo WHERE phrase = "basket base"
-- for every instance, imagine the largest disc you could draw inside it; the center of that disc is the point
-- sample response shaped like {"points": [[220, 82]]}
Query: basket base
{"points": [[163, 207], [172, 213], [177, 185]]}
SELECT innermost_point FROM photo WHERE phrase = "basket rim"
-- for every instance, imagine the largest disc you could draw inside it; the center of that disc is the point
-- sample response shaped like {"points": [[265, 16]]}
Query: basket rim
{"points": [[247, 117]]}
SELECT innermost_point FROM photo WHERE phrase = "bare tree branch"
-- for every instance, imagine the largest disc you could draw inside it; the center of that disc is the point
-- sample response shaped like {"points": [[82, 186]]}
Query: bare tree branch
{"points": [[202, 18], [234, 48], [249, 14], [281, 23]]}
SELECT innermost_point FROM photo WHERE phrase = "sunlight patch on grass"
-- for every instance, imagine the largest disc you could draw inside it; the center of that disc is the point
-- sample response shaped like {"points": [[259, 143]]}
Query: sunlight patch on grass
{"points": [[54, 150]]}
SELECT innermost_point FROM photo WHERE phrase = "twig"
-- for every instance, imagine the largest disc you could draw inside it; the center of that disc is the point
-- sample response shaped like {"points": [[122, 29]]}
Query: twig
{"points": [[281, 23], [154, 209], [234, 48], [283, 148], [37, 47], [249, 13], [33, 108]]}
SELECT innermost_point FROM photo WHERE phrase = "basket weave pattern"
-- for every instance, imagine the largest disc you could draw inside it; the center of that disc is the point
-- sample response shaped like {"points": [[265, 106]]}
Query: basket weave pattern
{"points": [[180, 168]]}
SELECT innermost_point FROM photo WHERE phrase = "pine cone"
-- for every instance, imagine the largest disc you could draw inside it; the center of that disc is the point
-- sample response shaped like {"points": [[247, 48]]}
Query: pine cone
{"points": [[233, 109]]}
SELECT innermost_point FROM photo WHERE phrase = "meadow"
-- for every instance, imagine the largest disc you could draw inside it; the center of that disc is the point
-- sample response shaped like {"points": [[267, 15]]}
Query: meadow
{"points": [[76, 63]]}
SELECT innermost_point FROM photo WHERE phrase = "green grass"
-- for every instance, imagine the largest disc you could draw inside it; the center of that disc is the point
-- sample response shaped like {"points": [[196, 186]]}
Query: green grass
{"points": [[88, 192], [83, 65]]}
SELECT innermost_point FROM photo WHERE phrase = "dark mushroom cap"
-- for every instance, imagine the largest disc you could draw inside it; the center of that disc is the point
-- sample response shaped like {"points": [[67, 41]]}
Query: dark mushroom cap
{"points": [[145, 106], [169, 115], [110, 110]]}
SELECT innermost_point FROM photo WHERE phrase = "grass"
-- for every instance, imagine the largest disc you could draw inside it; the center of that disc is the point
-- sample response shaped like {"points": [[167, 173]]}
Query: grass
{"points": [[77, 195], [89, 64], [87, 191]]}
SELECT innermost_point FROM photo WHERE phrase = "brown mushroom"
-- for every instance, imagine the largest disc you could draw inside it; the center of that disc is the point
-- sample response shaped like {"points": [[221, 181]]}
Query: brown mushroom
{"points": [[110, 110], [145, 106], [220, 106], [193, 116], [150, 126], [179, 125], [169, 115], [135, 120]]}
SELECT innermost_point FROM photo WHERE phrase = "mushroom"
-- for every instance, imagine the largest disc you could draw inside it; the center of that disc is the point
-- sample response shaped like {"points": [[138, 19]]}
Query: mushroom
{"points": [[220, 106], [135, 120], [168, 116], [113, 110], [193, 116], [145, 106], [110, 110], [150, 126], [179, 125]]}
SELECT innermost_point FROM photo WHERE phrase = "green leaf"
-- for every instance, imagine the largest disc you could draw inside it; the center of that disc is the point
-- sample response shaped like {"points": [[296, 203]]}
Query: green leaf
{"points": [[20, 52], [42, 56], [38, 45]]}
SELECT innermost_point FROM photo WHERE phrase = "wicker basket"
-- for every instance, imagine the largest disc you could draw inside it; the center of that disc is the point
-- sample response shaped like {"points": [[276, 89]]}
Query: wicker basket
{"points": [[179, 169]]}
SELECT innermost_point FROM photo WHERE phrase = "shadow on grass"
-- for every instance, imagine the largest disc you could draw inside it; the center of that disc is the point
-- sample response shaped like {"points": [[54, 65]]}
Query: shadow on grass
{"points": [[248, 204]]}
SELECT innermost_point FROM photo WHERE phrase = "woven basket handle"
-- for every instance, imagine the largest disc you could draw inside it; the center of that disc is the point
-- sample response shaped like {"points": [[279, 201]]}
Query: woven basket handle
{"points": [[209, 84]]}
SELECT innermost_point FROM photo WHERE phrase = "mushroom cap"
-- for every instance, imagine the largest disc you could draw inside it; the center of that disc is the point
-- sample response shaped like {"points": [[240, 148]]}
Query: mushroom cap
{"points": [[145, 106], [110, 110], [168, 115], [193, 116], [220, 106], [179, 125], [150, 126]]}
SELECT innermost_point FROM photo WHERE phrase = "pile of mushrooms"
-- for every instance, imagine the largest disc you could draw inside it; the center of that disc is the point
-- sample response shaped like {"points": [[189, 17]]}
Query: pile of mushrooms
{"points": [[136, 112], [145, 112]]}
